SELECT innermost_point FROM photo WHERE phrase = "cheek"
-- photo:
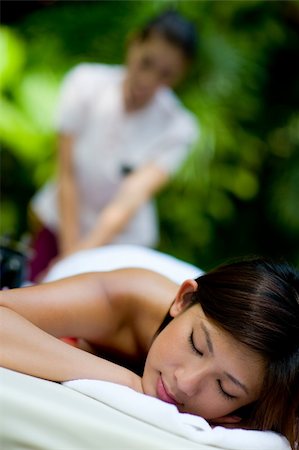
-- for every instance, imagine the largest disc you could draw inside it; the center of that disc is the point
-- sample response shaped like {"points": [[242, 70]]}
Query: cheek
{"points": [[160, 351], [133, 72], [156, 362], [209, 405], [133, 68], [164, 350]]}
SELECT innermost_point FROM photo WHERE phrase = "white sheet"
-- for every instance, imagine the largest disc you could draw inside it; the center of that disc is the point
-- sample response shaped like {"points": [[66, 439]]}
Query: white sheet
{"points": [[39, 414], [167, 417]]}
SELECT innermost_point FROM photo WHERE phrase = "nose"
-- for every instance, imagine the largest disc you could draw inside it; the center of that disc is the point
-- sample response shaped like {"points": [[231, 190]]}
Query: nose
{"points": [[150, 81], [189, 380]]}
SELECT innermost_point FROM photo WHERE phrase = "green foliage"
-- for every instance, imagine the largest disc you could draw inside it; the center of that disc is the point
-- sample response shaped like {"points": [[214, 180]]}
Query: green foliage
{"points": [[238, 191]]}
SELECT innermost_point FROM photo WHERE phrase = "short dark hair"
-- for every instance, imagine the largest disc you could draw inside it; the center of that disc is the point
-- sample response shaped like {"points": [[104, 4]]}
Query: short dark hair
{"points": [[175, 29]]}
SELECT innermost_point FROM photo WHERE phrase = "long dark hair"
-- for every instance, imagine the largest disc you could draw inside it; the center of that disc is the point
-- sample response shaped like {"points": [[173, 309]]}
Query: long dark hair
{"points": [[257, 302]]}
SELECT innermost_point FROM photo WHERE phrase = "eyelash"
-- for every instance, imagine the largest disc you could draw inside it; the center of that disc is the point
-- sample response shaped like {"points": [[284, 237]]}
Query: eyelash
{"points": [[223, 393], [194, 349], [198, 352]]}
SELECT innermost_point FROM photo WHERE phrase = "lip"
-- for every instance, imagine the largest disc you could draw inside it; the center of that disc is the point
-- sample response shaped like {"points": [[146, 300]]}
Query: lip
{"points": [[163, 394]]}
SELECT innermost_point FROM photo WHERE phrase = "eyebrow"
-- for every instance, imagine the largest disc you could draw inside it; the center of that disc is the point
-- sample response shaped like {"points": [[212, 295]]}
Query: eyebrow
{"points": [[211, 350], [237, 382], [208, 338]]}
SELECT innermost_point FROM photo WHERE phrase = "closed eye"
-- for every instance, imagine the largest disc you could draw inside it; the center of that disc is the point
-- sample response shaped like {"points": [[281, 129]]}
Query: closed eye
{"points": [[224, 393], [193, 346], [146, 63]]}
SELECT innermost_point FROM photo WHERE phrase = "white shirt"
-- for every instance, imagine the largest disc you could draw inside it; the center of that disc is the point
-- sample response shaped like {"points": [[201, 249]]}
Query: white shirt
{"points": [[108, 141]]}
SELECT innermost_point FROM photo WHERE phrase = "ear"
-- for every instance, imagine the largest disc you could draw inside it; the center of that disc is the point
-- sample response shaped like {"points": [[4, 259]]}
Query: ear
{"points": [[182, 298], [227, 420]]}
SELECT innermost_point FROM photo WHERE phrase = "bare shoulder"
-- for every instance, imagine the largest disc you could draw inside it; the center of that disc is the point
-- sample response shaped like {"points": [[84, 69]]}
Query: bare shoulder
{"points": [[136, 287], [142, 298]]}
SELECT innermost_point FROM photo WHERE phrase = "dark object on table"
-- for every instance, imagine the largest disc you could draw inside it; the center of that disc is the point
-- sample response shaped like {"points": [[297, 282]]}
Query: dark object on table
{"points": [[13, 263]]}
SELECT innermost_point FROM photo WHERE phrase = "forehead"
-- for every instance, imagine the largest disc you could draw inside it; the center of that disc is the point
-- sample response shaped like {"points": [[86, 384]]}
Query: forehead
{"points": [[159, 47]]}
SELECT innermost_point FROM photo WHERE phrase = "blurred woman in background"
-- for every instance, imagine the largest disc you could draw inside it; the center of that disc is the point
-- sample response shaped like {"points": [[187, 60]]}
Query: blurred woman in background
{"points": [[122, 134]]}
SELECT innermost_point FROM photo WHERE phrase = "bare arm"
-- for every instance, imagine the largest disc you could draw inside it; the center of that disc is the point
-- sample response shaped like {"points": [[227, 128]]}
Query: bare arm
{"points": [[67, 196], [94, 306], [30, 350], [135, 190], [32, 318]]}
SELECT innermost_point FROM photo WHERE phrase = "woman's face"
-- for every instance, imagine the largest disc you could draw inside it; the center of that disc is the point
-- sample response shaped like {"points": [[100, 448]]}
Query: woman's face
{"points": [[199, 367], [151, 64]]}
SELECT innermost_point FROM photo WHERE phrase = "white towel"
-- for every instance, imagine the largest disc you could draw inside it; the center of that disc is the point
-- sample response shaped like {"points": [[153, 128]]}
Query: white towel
{"points": [[167, 417], [111, 257]]}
